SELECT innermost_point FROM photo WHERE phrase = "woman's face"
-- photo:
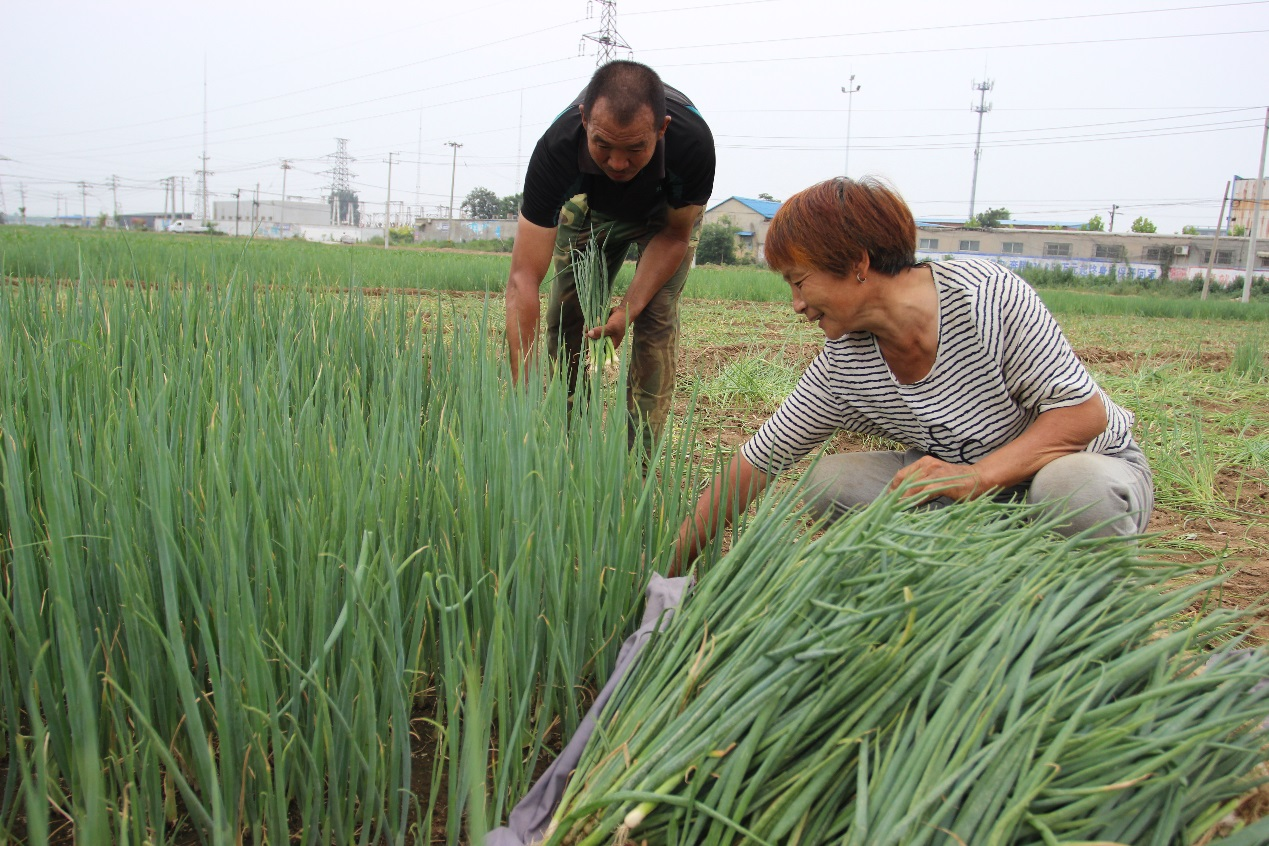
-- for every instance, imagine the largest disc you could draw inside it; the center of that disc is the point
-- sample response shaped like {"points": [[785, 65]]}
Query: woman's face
{"points": [[829, 301]]}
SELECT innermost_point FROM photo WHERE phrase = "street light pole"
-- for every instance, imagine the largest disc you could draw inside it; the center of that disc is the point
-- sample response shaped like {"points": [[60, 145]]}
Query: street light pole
{"points": [[849, 90], [452, 176]]}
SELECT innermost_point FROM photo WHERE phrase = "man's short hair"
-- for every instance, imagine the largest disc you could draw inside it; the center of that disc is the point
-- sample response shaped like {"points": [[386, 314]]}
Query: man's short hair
{"points": [[628, 87]]}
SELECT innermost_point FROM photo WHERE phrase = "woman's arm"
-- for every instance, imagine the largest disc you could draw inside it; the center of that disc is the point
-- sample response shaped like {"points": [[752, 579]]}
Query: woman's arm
{"points": [[728, 494], [1054, 433]]}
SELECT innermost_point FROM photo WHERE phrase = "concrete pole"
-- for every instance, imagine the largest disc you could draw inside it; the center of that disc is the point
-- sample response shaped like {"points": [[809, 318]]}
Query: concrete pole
{"points": [[387, 207], [1216, 239], [849, 90], [286, 165], [453, 174], [1255, 214]]}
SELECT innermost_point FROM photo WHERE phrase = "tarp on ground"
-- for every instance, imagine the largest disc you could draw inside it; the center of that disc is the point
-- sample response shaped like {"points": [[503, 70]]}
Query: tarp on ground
{"points": [[529, 819]]}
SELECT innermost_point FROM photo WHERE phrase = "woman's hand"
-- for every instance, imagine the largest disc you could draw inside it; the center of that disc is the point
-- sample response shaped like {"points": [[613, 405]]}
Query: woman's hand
{"points": [[931, 478]]}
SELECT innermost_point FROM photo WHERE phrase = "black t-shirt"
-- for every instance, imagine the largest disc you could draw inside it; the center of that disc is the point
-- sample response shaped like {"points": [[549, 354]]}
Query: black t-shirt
{"points": [[681, 172]]}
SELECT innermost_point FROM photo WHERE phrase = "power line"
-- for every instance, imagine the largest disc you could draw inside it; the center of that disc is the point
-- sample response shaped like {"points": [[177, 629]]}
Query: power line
{"points": [[944, 27], [1035, 142], [976, 48]]}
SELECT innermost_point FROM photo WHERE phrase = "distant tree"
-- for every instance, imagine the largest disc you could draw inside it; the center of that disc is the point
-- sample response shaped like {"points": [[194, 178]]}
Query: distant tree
{"points": [[401, 235], [509, 206], [1143, 224], [765, 196], [1238, 230], [482, 204], [1094, 224], [101, 220], [1189, 229], [718, 243], [991, 218]]}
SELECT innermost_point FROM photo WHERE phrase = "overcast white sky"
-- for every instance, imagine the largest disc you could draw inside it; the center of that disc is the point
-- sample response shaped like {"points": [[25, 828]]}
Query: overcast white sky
{"points": [[1152, 106]]}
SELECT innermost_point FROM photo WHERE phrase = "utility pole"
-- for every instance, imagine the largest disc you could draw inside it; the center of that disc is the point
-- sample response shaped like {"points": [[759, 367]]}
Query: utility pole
{"points": [[1113, 208], [849, 90], [114, 192], [1255, 214], [387, 207], [237, 215], [453, 174], [182, 198], [203, 173], [255, 208], [1216, 239], [418, 167], [83, 198], [519, 145], [22, 208], [982, 108], [608, 39], [286, 165]]}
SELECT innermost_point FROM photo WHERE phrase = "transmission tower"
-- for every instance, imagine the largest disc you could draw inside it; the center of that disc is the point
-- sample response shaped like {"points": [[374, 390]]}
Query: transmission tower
{"points": [[204, 213], [340, 178], [608, 39], [982, 108]]}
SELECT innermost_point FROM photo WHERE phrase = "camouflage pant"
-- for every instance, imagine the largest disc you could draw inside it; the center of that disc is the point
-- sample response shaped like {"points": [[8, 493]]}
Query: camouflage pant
{"points": [[654, 334]]}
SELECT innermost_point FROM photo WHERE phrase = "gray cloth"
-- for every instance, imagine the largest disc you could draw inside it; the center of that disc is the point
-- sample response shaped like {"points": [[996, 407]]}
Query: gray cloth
{"points": [[529, 819], [1108, 494]]}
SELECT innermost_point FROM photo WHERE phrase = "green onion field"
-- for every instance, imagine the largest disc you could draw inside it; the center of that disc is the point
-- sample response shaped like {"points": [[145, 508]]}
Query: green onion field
{"points": [[285, 557]]}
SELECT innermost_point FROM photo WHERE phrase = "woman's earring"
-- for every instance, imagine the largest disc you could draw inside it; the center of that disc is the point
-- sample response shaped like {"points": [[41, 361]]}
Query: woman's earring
{"points": [[860, 277]]}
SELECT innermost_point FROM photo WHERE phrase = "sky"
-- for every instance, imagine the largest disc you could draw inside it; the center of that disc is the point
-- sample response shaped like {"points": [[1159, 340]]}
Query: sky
{"points": [[1147, 106]]}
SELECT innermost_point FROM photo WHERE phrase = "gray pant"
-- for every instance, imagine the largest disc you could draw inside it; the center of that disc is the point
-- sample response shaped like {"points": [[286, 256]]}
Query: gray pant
{"points": [[1111, 494]]}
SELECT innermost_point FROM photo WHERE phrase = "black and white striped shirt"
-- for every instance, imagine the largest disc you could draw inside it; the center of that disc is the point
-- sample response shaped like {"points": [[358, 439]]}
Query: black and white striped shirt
{"points": [[1001, 361]]}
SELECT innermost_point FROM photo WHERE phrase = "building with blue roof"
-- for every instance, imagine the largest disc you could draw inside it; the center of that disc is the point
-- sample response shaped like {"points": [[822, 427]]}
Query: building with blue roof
{"points": [[750, 216]]}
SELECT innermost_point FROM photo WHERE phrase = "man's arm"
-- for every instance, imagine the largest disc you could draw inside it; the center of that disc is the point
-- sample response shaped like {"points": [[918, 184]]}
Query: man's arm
{"points": [[1053, 434], [659, 262], [729, 494], [530, 260]]}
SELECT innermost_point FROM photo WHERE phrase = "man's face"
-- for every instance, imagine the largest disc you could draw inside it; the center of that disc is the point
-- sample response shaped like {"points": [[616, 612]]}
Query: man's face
{"points": [[621, 149]]}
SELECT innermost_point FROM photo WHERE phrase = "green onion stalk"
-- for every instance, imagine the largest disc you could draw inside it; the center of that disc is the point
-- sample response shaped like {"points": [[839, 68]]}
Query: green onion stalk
{"points": [[960, 675]]}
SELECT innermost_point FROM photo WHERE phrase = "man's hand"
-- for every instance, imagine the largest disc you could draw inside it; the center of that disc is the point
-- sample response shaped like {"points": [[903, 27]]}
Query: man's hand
{"points": [[615, 328], [933, 478]]}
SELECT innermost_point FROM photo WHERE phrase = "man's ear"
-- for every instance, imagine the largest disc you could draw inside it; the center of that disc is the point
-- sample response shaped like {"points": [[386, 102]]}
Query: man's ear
{"points": [[581, 110], [664, 126]]}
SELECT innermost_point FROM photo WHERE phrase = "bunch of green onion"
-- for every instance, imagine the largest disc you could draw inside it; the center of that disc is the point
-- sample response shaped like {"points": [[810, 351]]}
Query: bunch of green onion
{"points": [[590, 277], [927, 677], [594, 294]]}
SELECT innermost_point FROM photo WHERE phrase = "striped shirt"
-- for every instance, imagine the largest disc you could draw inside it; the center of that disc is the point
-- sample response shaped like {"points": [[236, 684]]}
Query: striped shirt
{"points": [[1001, 361]]}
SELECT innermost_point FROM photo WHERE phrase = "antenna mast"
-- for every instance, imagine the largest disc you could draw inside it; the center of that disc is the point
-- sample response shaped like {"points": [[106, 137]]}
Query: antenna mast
{"points": [[982, 108]]}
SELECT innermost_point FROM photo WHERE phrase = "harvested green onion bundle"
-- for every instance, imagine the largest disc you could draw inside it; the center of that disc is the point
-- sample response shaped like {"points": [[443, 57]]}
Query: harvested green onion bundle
{"points": [[949, 676], [590, 277]]}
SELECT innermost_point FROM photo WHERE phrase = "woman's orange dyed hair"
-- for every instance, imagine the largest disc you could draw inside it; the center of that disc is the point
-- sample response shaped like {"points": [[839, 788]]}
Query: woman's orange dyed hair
{"points": [[830, 226]]}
